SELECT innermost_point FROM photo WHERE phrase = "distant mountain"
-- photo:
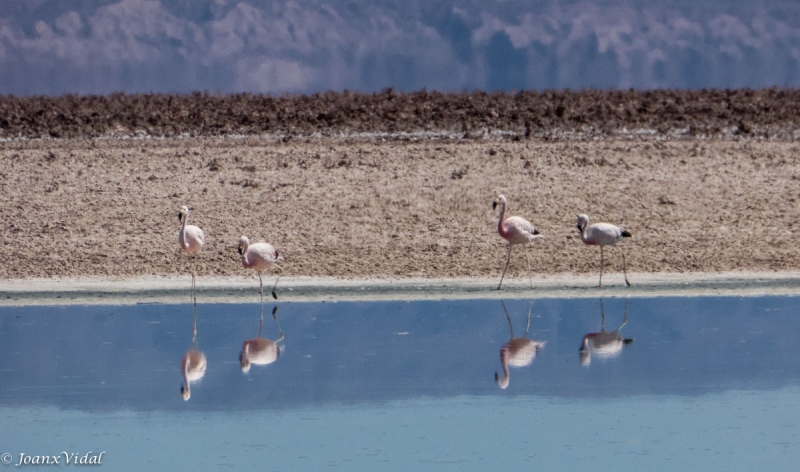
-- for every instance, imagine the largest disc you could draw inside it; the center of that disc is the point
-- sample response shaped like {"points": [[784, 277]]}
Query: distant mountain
{"points": [[102, 46]]}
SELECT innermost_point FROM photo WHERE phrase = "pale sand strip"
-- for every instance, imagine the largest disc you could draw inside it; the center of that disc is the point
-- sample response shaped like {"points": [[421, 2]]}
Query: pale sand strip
{"points": [[170, 290]]}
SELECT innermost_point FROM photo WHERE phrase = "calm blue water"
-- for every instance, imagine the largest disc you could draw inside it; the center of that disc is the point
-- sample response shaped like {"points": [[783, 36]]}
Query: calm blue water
{"points": [[709, 383]]}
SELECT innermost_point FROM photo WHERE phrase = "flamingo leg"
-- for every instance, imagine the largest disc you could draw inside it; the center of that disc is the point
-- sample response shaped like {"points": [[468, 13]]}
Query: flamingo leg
{"points": [[508, 318], [194, 295], [506, 267], [194, 325], [602, 317], [274, 295], [624, 271], [529, 319], [261, 285], [529, 266], [625, 320], [600, 285], [274, 311]]}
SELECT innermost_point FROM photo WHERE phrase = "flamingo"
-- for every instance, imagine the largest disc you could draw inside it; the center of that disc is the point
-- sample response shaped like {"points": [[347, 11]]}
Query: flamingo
{"points": [[518, 352], [515, 230], [260, 351], [191, 239], [603, 234], [604, 344], [193, 364], [259, 256]]}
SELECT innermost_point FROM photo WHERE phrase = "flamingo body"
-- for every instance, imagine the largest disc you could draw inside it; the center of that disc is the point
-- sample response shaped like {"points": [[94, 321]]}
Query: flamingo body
{"points": [[258, 256], [193, 366], [258, 351], [602, 234], [517, 231], [604, 344], [517, 352], [190, 238], [520, 352]]}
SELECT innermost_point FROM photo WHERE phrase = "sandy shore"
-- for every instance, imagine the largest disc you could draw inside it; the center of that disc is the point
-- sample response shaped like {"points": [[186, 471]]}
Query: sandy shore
{"points": [[363, 208]]}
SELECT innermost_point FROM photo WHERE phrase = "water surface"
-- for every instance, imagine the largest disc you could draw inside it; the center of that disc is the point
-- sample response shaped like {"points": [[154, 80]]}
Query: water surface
{"points": [[700, 382]]}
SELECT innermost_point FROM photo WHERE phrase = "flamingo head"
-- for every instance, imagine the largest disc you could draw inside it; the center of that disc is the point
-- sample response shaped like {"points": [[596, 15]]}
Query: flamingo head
{"points": [[243, 243], [502, 382], [583, 221], [585, 352], [586, 357], [244, 361], [182, 213], [501, 200]]}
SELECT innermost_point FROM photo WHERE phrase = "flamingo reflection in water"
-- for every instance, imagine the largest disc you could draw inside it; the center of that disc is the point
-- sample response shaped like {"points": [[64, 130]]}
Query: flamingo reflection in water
{"points": [[193, 364], [260, 351], [604, 344], [517, 352]]}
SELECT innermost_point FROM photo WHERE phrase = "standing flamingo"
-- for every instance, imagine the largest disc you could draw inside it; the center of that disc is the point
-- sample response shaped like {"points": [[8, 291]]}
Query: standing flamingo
{"points": [[515, 230], [260, 351], [193, 363], [191, 239], [259, 256], [603, 234], [517, 352], [604, 344]]}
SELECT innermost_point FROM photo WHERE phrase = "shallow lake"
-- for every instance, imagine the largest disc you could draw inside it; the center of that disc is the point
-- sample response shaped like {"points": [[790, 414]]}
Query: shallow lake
{"points": [[640, 384]]}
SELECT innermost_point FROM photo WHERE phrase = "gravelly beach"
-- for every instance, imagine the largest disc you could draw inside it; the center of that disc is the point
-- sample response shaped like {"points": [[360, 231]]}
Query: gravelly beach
{"points": [[393, 205]]}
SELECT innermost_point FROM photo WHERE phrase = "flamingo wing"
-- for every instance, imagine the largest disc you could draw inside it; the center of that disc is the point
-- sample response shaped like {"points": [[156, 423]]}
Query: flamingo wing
{"points": [[519, 230], [604, 234]]}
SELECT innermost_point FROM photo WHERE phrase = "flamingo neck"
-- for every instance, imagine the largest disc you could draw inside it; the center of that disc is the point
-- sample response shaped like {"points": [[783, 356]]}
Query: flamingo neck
{"points": [[501, 228], [186, 390], [245, 258], [504, 360], [182, 234], [585, 234]]}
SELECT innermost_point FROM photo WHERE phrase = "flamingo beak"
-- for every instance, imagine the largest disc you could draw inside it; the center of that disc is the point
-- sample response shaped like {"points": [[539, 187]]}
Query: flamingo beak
{"points": [[179, 216], [239, 249], [494, 205]]}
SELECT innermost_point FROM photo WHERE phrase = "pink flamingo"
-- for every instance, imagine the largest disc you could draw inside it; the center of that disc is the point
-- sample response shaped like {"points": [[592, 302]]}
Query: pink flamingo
{"points": [[603, 344], [603, 234], [515, 230], [260, 351], [517, 352], [191, 239], [193, 363], [259, 256]]}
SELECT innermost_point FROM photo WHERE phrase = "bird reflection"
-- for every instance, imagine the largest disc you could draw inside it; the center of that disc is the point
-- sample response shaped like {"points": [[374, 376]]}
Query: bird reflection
{"points": [[517, 352], [604, 344], [193, 364], [260, 351]]}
